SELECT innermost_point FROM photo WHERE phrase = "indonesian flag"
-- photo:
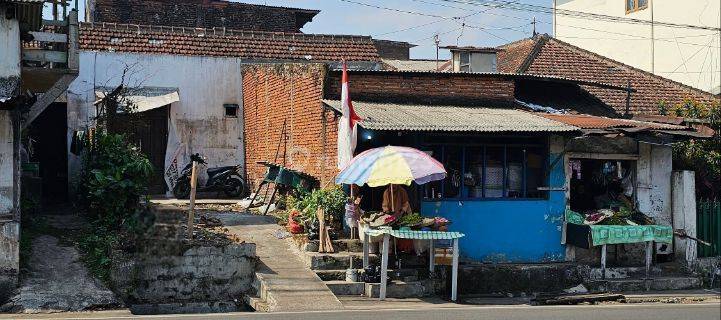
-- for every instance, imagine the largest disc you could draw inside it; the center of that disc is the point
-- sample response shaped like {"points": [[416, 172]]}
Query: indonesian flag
{"points": [[348, 125]]}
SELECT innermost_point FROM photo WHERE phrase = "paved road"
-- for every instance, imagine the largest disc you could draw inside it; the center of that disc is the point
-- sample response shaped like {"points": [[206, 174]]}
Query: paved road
{"points": [[708, 311]]}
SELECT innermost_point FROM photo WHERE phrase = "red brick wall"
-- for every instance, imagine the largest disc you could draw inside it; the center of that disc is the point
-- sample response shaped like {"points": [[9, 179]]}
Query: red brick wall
{"points": [[422, 87], [292, 93], [200, 14]]}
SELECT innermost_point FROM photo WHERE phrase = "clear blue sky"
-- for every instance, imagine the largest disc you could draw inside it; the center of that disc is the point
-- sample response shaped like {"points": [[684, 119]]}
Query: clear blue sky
{"points": [[484, 27]]}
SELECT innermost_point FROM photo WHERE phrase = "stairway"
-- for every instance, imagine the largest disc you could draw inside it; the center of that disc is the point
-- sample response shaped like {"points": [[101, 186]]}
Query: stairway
{"points": [[409, 282], [661, 277]]}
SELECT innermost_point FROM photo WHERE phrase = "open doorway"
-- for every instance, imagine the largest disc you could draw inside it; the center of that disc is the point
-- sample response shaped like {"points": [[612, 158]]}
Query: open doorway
{"points": [[46, 148], [601, 184]]}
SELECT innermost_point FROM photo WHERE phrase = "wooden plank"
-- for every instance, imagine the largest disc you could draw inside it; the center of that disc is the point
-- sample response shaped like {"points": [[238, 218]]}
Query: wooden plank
{"points": [[602, 156], [49, 36], [454, 276], [45, 56], [55, 23], [47, 98], [193, 190], [384, 267]]}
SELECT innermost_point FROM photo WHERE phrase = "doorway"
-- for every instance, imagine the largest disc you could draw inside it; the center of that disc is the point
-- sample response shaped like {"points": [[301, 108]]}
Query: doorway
{"points": [[46, 148], [150, 134]]}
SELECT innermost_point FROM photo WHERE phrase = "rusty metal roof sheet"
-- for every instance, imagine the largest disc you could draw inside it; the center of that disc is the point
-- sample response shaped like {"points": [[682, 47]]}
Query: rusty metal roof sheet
{"points": [[595, 122], [417, 117]]}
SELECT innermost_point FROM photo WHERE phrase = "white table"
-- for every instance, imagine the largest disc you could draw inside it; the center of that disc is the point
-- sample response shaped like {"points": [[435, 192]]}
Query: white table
{"points": [[387, 233]]}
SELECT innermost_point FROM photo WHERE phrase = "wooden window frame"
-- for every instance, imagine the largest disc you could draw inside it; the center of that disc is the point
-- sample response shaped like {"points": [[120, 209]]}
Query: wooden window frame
{"points": [[635, 6]]}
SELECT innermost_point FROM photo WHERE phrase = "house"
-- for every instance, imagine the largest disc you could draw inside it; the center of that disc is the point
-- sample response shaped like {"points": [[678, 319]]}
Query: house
{"points": [[677, 40], [198, 72], [200, 14], [36, 65], [545, 55], [504, 140]]}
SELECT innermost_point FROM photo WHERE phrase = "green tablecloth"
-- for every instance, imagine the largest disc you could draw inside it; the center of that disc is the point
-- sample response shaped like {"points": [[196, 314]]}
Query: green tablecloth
{"points": [[412, 234], [605, 234], [616, 234]]}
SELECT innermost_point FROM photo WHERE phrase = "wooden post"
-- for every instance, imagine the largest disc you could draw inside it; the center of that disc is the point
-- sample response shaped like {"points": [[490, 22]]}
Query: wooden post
{"points": [[384, 267], [393, 209], [366, 245], [454, 283], [603, 262], [649, 250], [191, 213], [432, 256]]}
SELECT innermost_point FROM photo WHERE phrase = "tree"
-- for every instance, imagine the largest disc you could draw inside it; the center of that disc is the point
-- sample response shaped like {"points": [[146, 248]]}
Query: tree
{"points": [[700, 155]]}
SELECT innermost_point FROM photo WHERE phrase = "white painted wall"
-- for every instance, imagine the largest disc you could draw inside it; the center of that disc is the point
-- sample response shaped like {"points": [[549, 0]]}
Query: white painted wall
{"points": [[684, 215], [689, 56], [204, 83], [653, 192], [9, 83]]}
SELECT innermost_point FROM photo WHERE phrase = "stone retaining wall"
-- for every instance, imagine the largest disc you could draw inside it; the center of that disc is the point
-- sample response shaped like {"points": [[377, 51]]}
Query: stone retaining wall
{"points": [[167, 268]]}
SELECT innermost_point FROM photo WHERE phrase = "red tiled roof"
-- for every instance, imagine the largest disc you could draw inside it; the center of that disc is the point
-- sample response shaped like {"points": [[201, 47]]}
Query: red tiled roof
{"points": [[225, 43], [544, 55], [594, 122]]}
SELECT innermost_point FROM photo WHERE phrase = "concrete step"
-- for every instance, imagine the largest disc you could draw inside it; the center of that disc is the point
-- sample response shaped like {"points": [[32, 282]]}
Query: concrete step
{"points": [[406, 275], [335, 261], [342, 245], [623, 272], [345, 288], [255, 303], [398, 289], [637, 285]]}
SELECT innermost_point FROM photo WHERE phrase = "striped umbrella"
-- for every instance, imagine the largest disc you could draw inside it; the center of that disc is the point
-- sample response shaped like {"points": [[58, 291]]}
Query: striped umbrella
{"points": [[391, 165]]}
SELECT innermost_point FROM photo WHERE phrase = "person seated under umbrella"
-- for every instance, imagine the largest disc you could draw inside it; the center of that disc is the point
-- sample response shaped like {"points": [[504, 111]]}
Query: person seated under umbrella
{"points": [[395, 201]]}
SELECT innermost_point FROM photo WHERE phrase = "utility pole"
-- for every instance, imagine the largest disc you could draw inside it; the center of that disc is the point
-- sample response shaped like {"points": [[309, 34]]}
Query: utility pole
{"points": [[437, 40]]}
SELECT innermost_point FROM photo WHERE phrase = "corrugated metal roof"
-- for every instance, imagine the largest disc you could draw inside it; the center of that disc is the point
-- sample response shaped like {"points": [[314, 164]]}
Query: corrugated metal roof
{"points": [[415, 117], [594, 122], [24, 1], [418, 65]]}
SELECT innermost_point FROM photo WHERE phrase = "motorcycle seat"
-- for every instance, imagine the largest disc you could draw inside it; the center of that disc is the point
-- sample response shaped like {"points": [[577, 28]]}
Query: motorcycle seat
{"points": [[214, 171]]}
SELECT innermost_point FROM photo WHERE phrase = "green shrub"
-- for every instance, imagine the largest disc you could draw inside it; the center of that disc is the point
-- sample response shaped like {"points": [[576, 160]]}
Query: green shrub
{"points": [[331, 199]]}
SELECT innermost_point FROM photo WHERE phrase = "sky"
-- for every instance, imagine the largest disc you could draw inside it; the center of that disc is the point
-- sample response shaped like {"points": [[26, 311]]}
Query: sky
{"points": [[484, 26]]}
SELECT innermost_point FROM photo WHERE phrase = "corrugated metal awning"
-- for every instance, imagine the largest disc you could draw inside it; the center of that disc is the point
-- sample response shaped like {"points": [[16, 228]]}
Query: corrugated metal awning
{"points": [[419, 117], [144, 98]]}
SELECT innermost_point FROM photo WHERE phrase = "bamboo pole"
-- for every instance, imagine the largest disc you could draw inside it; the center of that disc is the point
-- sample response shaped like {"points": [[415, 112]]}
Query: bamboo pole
{"points": [[191, 213]]}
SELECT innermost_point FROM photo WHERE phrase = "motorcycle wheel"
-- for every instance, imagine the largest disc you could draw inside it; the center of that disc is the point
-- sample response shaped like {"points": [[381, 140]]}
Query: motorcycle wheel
{"points": [[233, 187], [182, 189]]}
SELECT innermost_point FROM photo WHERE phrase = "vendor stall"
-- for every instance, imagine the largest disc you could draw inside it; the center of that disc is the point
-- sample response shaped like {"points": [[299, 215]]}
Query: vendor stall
{"points": [[431, 236], [397, 166]]}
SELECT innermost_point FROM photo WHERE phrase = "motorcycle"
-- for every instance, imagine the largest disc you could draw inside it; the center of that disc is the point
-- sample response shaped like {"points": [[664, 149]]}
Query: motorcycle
{"points": [[226, 179]]}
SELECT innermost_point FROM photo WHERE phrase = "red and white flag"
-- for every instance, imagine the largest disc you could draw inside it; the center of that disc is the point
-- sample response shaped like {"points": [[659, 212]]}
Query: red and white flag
{"points": [[348, 125]]}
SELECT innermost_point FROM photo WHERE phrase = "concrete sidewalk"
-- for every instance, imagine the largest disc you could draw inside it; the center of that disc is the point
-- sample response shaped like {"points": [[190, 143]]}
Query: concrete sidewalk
{"points": [[285, 282]]}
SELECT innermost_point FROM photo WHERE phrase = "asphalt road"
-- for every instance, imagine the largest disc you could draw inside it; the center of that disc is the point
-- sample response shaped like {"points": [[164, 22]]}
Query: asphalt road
{"points": [[605, 312]]}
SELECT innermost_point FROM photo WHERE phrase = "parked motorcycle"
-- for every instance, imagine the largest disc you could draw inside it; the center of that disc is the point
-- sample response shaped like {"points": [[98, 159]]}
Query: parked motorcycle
{"points": [[226, 179]]}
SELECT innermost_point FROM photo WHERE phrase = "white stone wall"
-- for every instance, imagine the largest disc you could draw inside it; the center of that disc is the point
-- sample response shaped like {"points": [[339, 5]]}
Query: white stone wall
{"points": [[9, 87], [690, 56], [684, 215], [204, 85]]}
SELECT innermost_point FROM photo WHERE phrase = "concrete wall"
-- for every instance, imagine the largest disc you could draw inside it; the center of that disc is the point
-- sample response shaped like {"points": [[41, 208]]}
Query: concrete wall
{"points": [[653, 192], [510, 230], [690, 56], [684, 215], [9, 87], [204, 85]]}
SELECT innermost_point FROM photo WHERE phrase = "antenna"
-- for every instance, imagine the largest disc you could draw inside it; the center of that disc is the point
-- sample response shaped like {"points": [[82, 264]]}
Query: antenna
{"points": [[437, 40], [534, 26]]}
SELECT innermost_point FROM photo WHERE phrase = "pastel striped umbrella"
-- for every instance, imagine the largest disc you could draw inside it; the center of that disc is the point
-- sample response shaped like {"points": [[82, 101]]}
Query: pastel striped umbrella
{"points": [[391, 165]]}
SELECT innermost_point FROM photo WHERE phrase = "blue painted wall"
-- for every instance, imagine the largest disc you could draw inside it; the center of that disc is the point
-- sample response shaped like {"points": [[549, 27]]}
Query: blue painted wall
{"points": [[508, 230]]}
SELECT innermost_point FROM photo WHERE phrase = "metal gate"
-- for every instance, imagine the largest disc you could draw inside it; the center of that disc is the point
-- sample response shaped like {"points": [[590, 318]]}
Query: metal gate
{"points": [[708, 224]]}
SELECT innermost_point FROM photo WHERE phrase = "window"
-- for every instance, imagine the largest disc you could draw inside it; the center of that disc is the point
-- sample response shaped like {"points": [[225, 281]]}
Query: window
{"points": [[231, 110], [465, 61], [636, 5], [487, 171]]}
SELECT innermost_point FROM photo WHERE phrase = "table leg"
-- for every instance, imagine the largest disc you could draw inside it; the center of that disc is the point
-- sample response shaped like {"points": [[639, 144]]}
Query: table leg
{"points": [[384, 267], [432, 256], [366, 245], [454, 283], [603, 262], [649, 250]]}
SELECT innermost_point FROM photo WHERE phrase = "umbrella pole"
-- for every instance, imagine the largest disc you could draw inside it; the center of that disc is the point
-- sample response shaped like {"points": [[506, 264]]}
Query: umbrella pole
{"points": [[393, 200]]}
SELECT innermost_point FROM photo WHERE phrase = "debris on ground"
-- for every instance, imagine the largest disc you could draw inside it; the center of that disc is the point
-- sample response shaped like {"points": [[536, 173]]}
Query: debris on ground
{"points": [[567, 299], [577, 289], [282, 234]]}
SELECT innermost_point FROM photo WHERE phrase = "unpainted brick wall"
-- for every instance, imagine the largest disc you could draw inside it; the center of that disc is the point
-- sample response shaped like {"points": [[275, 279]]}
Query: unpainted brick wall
{"points": [[422, 87], [290, 93], [197, 14]]}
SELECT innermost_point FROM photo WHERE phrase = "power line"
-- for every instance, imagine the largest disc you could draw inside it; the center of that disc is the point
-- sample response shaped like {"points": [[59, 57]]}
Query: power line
{"points": [[519, 6]]}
